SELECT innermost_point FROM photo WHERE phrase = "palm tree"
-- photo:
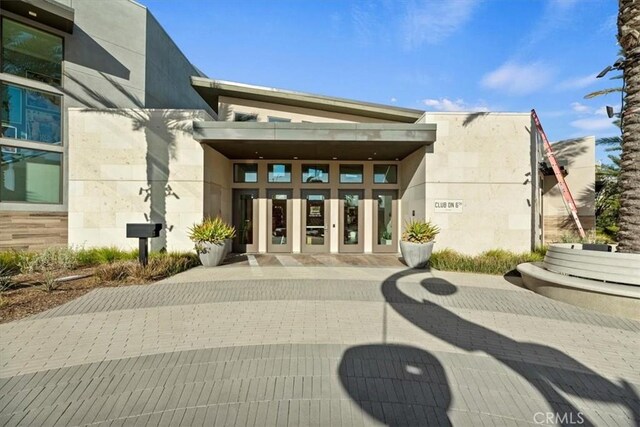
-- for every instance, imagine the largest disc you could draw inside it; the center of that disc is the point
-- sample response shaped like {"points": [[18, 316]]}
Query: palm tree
{"points": [[629, 180]]}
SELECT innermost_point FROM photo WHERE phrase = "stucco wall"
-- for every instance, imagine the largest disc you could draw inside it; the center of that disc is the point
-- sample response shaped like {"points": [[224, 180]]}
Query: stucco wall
{"points": [[105, 57], [579, 154], [229, 106], [134, 166], [484, 160]]}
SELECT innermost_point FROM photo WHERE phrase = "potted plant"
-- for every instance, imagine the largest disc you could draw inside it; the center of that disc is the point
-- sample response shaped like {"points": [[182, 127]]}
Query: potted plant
{"points": [[212, 238], [417, 242], [386, 238]]}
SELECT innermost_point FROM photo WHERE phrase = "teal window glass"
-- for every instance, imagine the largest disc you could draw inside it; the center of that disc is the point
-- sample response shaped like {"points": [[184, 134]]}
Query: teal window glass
{"points": [[30, 114], [351, 174], [279, 172], [315, 173], [245, 172], [31, 53], [31, 176], [385, 174]]}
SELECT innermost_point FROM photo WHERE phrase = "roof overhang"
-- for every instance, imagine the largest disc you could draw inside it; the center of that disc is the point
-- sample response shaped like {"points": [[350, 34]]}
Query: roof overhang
{"points": [[210, 90], [314, 141], [47, 12]]}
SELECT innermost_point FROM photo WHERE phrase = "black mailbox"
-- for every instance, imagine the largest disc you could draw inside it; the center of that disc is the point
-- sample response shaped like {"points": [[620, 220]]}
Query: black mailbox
{"points": [[143, 232]]}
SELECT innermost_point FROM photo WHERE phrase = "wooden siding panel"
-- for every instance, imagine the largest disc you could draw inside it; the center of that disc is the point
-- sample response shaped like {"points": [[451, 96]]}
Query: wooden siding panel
{"points": [[33, 230]]}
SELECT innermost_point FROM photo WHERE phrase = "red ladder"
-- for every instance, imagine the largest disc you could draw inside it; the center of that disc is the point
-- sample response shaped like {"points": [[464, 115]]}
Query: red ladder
{"points": [[564, 188]]}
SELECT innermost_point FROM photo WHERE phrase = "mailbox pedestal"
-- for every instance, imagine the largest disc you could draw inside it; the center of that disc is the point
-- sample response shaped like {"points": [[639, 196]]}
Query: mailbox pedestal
{"points": [[143, 232]]}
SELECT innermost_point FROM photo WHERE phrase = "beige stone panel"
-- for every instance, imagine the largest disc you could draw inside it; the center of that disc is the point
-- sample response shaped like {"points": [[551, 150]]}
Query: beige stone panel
{"points": [[520, 222], [296, 223], [334, 241], [262, 223]]}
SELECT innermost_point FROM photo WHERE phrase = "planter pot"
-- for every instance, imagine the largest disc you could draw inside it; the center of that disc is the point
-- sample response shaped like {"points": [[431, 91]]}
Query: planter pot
{"points": [[213, 254], [416, 255], [227, 246]]}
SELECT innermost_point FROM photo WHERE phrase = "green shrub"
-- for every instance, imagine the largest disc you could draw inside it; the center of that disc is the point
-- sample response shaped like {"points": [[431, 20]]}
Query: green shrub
{"points": [[419, 231], [12, 260], [211, 230], [52, 258], [49, 281], [161, 266], [6, 278], [98, 256], [495, 261], [115, 271]]}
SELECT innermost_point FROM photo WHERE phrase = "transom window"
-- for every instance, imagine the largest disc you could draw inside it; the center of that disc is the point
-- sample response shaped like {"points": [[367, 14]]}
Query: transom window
{"points": [[279, 172], [351, 174], [315, 173], [245, 117], [31, 53], [385, 174], [245, 172], [272, 119]]}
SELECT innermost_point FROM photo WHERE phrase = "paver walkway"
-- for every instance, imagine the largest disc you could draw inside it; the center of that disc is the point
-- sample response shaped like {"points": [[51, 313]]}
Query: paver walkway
{"points": [[332, 345]]}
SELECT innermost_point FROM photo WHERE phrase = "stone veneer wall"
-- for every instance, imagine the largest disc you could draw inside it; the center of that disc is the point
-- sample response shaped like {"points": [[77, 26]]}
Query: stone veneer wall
{"points": [[134, 166], [32, 230], [483, 159]]}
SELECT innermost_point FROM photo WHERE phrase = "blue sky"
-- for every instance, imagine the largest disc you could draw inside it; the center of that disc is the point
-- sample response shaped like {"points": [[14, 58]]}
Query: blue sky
{"points": [[437, 55]]}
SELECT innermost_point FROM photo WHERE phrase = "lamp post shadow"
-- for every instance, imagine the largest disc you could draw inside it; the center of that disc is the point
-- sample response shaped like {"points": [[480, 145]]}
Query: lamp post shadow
{"points": [[551, 372]]}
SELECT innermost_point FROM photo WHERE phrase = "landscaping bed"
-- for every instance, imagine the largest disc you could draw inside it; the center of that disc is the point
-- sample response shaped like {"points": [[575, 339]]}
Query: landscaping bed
{"points": [[35, 282]]}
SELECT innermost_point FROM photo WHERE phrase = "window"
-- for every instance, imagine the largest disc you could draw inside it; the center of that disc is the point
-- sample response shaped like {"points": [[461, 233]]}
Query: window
{"points": [[385, 174], [245, 172], [30, 114], [244, 117], [315, 173], [279, 172], [351, 174], [278, 120], [31, 53], [31, 176]]}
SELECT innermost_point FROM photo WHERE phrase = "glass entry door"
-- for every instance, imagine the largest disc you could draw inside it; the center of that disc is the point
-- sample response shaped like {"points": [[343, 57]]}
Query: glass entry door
{"points": [[385, 220], [279, 220], [315, 220], [351, 220], [245, 220]]}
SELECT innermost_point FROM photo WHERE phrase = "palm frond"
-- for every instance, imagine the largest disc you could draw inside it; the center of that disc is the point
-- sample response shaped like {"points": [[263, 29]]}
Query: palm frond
{"points": [[602, 92]]}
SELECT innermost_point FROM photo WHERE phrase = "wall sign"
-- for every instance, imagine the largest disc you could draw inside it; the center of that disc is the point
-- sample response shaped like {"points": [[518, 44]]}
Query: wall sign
{"points": [[448, 206]]}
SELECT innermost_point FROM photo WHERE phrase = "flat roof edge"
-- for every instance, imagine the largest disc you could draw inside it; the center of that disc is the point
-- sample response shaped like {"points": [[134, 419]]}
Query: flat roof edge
{"points": [[305, 100], [47, 12]]}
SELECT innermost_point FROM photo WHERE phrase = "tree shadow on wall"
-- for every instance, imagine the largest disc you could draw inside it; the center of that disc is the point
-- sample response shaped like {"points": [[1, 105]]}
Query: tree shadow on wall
{"points": [[160, 128], [551, 372]]}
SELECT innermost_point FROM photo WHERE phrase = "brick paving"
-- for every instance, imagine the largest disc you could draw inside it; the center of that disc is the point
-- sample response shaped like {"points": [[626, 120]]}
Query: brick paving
{"points": [[319, 345]]}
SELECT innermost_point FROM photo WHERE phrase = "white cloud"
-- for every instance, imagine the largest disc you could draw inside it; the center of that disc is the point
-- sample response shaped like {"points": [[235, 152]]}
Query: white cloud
{"points": [[579, 108], [593, 124], [577, 82], [518, 79], [432, 21], [393, 100], [445, 104]]}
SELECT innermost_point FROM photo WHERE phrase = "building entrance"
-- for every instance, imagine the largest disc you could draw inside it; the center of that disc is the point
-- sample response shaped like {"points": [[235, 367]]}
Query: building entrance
{"points": [[316, 212], [279, 220], [351, 220], [245, 220]]}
